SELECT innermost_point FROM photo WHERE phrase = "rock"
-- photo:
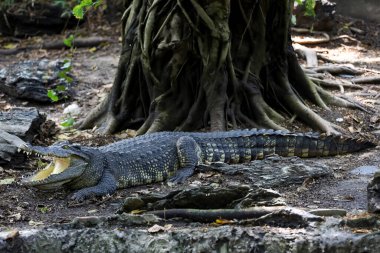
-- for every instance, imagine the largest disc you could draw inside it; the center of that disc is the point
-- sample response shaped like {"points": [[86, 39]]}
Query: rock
{"points": [[24, 18], [365, 170], [289, 217], [31, 80], [274, 171], [132, 203], [373, 194], [23, 122], [72, 109], [205, 197], [327, 236], [18, 123], [261, 197]]}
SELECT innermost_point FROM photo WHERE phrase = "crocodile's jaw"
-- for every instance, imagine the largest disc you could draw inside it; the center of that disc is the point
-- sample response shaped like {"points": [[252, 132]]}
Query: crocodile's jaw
{"points": [[59, 172]]}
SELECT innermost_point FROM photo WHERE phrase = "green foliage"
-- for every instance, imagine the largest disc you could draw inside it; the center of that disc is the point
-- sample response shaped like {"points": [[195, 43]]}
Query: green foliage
{"points": [[53, 95], [44, 209], [69, 41], [309, 6], [64, 74], [69, 122], [65, 69], [80, 9]]}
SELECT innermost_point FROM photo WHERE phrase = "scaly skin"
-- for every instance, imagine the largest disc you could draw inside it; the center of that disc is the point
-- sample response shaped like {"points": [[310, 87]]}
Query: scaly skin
{"points": [[156, 157]]}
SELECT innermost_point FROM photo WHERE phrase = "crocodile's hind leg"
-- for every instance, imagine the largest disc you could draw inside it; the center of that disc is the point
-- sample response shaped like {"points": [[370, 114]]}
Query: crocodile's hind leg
{"points": [[189, 156], [106, 185]]}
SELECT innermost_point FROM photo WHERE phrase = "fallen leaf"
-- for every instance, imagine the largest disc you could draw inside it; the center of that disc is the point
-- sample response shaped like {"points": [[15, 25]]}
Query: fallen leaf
{"points": [[223, 222], [63, 137], [35, 223], [10, 46], [7, 181], [17, 216], [137, 211], [156, 228], [362, 231], [12, 234]]}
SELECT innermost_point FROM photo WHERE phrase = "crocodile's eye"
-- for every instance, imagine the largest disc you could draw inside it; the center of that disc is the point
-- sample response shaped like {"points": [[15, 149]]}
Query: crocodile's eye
{"points": [[65, 147]]}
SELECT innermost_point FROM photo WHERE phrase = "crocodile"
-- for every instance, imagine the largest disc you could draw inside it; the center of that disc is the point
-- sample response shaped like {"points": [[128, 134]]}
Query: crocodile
{"points": [[155, 157]]}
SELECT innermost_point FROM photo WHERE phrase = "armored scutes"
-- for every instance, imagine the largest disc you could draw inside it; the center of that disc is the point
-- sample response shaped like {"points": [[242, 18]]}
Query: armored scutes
{"points": [[159, 156]]}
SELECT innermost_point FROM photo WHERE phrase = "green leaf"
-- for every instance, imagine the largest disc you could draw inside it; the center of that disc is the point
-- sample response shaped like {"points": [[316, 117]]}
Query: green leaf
{"points": [[66, 66], [86, 3], [69, 41], [52, 95], [60, 88], [44, 209], [63, 74], [309, 6], [69, 122], [78, 11]]}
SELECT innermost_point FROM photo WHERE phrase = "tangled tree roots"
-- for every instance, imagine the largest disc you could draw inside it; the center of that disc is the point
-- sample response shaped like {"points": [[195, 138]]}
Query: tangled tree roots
{"points": [[218, 63]]}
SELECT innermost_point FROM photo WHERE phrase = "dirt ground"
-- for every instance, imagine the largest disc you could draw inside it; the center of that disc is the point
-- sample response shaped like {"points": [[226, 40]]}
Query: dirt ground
{"points": [[95, 68]]}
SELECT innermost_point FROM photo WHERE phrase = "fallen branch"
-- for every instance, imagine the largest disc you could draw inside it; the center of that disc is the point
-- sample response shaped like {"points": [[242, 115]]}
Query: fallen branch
{"points": [[210, 215], [277, 216], [367, 80], [58, 44]]}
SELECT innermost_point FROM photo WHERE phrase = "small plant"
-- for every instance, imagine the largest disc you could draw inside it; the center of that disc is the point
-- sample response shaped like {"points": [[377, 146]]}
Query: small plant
{"points": [[68, 122], [80, 9], [53, 95], [63, 74], [44, 209], [69, 41]]}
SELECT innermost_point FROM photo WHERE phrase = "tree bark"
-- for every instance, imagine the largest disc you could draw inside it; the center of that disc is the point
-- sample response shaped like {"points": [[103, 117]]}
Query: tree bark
{"points": [[212, 64]]}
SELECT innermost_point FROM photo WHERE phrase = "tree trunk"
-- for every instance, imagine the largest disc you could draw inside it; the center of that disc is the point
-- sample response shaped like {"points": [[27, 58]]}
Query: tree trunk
{"points": [[218, 64]]}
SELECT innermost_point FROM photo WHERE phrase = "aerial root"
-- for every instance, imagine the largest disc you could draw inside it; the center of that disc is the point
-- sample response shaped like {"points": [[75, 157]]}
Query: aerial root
{"points": [[335, 84]]}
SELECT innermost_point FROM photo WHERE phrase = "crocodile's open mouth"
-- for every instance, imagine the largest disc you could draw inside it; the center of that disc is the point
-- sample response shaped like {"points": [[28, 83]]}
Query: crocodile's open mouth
{"points": [[58, 165], [60, 171]]}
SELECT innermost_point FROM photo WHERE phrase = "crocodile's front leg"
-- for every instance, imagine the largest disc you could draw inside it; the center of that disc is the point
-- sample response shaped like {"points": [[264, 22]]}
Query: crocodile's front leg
{"points": [[189, 156], [106, 185]]}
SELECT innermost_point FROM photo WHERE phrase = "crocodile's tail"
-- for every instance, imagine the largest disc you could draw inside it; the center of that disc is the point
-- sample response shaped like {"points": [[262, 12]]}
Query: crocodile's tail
{"points": [[245, 145], [317, 145]]}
